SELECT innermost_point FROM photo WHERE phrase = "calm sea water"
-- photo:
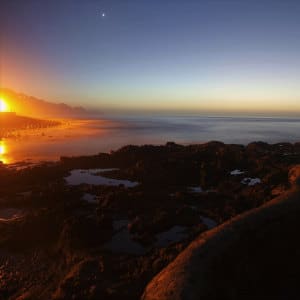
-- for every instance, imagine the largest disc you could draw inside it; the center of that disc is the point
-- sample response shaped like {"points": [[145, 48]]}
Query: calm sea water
{"points": [[124, 130]]}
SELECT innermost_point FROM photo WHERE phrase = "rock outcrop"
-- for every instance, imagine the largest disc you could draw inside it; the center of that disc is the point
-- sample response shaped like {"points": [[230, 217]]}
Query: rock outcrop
{"points": [[90, 241], [253, 256]]}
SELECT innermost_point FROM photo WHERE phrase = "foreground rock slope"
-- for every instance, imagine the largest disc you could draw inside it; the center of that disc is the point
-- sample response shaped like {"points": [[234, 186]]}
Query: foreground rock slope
{"points": [[253, 256]]}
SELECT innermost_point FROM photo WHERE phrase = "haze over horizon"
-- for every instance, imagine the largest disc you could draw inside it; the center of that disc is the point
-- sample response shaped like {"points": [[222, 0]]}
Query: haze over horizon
{"points": [[206, 56]]}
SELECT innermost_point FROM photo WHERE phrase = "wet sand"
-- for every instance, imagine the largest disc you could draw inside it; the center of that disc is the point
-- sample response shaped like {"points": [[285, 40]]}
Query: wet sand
{"points": [[71, 137]]}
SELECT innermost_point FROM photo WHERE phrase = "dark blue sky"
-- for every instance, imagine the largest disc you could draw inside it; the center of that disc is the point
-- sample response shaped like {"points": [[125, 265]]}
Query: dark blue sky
{"points": [[185, 55]]}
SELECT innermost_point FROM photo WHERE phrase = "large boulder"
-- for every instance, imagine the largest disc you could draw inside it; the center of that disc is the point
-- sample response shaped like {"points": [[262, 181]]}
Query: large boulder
{"points": [[253, 256]]}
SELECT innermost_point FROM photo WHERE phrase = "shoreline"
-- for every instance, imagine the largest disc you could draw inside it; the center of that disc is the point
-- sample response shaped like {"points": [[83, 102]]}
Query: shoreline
{"points": [[33, 144], [86, 137], [292, 149], [13, 125]]}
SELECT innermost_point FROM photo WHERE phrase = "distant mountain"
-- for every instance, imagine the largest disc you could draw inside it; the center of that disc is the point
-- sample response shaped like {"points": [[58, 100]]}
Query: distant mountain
{"points": [[30, 106]]}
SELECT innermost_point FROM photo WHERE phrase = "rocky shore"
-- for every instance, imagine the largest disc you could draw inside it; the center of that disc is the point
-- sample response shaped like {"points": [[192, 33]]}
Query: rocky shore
{"points": [[103, 226]]}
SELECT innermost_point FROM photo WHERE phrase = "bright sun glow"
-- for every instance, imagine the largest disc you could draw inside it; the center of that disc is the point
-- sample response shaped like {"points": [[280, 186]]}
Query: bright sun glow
{"points": [[3, 152], [3, 105]]}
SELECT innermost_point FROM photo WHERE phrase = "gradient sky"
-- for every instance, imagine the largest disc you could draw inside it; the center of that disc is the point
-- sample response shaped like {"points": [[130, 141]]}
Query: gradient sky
{"points": [[213, 55]]}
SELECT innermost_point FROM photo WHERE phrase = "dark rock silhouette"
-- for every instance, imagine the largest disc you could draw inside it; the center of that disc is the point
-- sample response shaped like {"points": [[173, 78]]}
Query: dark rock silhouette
{"points": [[57, 243]]}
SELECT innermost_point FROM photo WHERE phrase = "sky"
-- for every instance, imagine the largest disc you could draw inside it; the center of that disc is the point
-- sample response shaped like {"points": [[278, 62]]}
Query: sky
{"points": [[171, 55]]}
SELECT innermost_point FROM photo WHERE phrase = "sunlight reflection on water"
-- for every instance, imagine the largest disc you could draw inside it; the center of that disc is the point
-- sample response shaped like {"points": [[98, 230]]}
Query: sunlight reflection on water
{"points": [[88, 137]]}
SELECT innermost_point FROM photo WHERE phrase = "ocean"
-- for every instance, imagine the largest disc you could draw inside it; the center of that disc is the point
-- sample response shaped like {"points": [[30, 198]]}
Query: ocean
{"points": [[112, 132]]}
